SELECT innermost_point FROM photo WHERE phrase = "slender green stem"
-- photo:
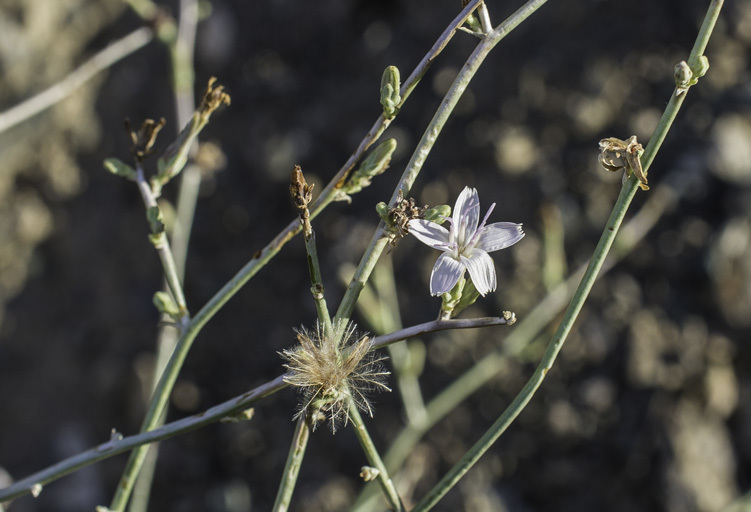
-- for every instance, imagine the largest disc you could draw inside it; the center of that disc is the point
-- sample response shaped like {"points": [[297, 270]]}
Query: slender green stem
{"points": [[598, 258], [374, 458], [329, 192], [168, 378], [523, 398], [661, 198], [402, 358], [85, 72], [316, 281], [292, 467], [162, 245], [705, 32], [182, 80], [381, 311], [462, 80], [216, 413]]}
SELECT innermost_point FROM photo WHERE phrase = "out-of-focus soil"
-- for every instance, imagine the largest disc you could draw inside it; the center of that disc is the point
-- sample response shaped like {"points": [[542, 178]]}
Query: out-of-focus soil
{"points": [[647, 407]]}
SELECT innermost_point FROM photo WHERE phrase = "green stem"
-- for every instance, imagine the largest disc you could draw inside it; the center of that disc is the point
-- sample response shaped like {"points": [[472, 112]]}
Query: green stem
{"points": [[381, 311], [523, 398], [162, 245], [168, 378], [226, 409], [181, 52], [462, 80], [77, 78], [292, 467], [374, 458], [598, 258], [317, 288], [660, 199]]}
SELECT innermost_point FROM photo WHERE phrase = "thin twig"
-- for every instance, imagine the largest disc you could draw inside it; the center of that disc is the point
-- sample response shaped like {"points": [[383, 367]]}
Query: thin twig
{"points": [[374, 458], [169, 376], [162, 246], [216, 413], [598, 258], [182, 79], [292, 466], [661, 198], [85, 72], [414, 166]]}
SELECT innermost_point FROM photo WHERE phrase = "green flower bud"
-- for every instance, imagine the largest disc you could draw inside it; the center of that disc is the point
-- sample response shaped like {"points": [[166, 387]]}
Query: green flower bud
{"points": [[376, 162], [468, 297], [683, 75], [701, 68], [383, 211], [390, 97], [438, 214]]}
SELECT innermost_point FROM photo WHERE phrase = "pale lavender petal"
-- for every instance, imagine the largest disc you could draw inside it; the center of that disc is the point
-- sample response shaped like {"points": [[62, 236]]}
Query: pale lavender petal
{"points": [[473, 241], [499, 235], [430, 233], [445, 275], [466, 216], [481, 270]]}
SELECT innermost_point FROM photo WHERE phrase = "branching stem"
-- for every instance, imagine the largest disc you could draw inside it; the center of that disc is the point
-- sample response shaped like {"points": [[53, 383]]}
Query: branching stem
{"points": [[580, 295]]}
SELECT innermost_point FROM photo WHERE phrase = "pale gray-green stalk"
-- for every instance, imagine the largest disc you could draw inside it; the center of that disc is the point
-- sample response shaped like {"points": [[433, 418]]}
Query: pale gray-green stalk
{"points": [[228, 409], [168, 377], [596, 262]]}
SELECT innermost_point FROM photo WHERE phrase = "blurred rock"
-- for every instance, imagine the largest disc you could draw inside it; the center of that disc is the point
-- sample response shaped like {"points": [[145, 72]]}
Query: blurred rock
{"points": [[730, 158]]}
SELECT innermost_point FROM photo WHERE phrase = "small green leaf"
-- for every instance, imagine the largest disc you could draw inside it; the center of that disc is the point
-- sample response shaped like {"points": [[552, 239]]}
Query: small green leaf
{"points": [[120, 168], [156, 221], [474, 24], [165, 304]]}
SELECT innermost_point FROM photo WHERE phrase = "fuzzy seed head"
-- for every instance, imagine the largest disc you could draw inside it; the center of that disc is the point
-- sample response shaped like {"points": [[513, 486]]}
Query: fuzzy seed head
{"points": [[332, 371]]}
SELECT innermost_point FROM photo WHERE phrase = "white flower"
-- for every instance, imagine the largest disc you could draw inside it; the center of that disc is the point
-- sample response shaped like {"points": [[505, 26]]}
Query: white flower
{"points": [[466, 245]]}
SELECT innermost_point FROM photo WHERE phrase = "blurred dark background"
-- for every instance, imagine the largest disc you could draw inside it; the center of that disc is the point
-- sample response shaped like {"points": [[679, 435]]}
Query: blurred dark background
{"points": [[647, 407]]}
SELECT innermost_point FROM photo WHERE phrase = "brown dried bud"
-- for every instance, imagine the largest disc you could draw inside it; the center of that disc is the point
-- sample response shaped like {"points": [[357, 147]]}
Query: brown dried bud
{"points": [[301, 192], [143, 140], [213, 98]]}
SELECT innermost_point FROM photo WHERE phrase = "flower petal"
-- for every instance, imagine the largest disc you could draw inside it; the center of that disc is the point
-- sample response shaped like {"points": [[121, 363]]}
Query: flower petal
{"points": [[466, 216], [481, 270], [445, 275], [499, 235], [429, 233]]}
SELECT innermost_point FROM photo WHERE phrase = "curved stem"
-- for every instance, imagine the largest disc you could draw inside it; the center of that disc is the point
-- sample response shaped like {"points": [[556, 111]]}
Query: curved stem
{"points": [[162, 245], [661, 198], [292, 467], [216, 413], [598, 258], [85, 72], [182, 83], [172, 369], [414, 166], [374, 458]]}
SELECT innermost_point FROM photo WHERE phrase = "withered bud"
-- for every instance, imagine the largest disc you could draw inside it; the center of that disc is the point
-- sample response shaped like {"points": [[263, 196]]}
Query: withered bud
{"points": [[213, 98], [617, 154], [401, 213], [301, 192], [143, 140]]}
